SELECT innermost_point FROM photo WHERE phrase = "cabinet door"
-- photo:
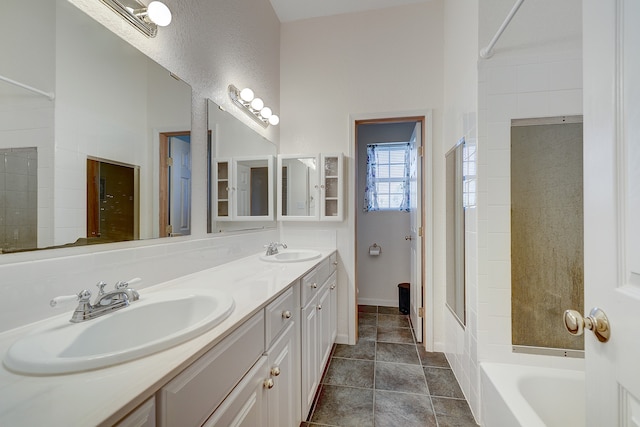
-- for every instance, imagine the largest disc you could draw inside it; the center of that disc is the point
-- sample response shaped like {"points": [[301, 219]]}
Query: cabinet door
{"points": [[324, 328], [331, 187], [310, 355], [246, 405], [281, 398], [222, 189], [143, 416]]}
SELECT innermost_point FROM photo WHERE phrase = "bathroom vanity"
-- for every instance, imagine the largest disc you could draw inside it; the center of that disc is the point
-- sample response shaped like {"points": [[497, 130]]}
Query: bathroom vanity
{"points": [[259, 367]]}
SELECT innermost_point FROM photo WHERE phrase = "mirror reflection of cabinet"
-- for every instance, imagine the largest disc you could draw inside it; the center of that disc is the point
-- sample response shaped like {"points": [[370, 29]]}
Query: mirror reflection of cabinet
{"points": [[243, 189], [310, 187]]}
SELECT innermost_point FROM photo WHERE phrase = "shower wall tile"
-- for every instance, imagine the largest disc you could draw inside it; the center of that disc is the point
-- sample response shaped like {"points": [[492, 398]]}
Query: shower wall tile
{"points": [[511, 86]]}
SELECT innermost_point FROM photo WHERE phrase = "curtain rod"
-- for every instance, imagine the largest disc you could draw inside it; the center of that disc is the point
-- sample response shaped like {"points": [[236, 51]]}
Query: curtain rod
{"points": [[24, 86], [487, 52]]}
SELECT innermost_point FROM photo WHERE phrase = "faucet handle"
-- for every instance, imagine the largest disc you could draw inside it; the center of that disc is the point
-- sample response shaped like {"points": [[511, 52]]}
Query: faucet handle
{"points": [[82, 296], [101, 286], [125, 284]]}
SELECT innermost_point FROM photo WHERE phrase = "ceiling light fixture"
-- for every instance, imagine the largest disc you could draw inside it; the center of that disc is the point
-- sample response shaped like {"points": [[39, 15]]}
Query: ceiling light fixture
{"points": [[145, 19], [253, 106]]}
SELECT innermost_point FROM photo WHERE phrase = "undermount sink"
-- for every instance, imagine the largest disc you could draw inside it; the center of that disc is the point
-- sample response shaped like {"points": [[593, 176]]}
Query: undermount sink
{"points": [[293, 255], [157, 321]]}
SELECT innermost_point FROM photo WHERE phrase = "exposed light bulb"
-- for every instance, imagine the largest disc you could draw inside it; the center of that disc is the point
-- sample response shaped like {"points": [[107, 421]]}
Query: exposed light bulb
{"points": [[266, 112], [159, 13], [246, 94], [274, 120], [257, 104]]}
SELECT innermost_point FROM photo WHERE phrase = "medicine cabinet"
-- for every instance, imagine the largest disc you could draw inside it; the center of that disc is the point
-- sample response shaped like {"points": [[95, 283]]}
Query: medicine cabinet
{"points": [[310, 187], [243, 188]]}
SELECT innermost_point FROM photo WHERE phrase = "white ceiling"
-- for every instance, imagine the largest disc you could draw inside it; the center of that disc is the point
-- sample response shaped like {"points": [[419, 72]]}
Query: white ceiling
{"points": [[293, 10]]}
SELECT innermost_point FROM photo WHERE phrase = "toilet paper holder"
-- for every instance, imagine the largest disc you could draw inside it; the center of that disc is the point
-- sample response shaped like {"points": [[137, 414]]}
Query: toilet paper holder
{"points": [[375, 249]]}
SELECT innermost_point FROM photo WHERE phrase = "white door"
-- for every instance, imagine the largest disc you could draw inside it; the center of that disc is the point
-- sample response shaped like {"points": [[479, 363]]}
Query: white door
{"points": [[180, 187], [243, 189], [415, 173], [611, 40]]}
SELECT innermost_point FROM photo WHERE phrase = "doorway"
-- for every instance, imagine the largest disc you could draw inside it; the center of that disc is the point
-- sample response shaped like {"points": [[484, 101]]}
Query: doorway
{"points": [[389, 241], [175, 184], [113, 201]]}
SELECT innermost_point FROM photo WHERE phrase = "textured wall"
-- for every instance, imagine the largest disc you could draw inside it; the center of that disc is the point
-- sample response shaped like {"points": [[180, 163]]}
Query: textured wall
{"points": [[547, 267]]}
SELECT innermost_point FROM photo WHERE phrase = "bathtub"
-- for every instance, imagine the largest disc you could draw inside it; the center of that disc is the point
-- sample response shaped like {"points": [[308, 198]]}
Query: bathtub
{"points": [[528, 396]]}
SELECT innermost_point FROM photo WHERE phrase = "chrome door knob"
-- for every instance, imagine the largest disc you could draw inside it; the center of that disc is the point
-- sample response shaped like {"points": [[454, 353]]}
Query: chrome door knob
{"points": [[597, 322], [408, 238]]}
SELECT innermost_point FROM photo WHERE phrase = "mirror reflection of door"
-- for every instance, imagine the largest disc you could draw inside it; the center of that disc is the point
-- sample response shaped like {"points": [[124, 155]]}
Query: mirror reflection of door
{"points": [[175, 184], [112, 201]]}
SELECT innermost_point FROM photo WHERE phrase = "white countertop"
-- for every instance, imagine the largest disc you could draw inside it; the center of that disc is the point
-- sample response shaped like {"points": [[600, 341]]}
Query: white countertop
{"points": [[103, 396]]}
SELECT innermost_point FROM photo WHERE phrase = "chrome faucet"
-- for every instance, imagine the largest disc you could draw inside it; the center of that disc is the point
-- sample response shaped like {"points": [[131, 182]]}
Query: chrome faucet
{"points": [[106, 302], [272, 248]]}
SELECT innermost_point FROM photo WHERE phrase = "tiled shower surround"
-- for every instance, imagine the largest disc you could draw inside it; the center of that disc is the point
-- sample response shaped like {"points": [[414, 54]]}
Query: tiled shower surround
{"points": [[388, 380]]}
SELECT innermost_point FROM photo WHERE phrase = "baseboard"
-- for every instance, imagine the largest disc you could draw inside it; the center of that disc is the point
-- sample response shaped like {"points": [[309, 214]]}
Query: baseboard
{"points": [[376, 301]]}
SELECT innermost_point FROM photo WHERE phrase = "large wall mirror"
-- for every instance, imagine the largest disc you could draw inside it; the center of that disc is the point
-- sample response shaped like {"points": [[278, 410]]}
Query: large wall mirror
{"points": [[242, 175], [86, 167], [455, 209]]}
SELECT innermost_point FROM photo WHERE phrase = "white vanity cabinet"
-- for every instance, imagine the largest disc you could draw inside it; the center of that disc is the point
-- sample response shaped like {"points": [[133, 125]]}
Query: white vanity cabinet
{"points": [[251, 378], [143, 416], [318, 326], [310, 187]]}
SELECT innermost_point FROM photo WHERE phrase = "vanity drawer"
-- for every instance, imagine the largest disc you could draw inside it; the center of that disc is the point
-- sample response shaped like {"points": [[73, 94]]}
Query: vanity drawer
{"points": [[313, 280], [309, 286], [194, 394], [279, 314], [326, 269]]}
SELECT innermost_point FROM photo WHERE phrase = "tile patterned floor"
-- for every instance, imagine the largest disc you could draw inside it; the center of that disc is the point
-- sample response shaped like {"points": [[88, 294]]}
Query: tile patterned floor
{"points": [[388, 380]]}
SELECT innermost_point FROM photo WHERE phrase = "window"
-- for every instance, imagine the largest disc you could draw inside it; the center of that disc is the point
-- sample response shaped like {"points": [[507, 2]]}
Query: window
{"points": [[387, 177]]}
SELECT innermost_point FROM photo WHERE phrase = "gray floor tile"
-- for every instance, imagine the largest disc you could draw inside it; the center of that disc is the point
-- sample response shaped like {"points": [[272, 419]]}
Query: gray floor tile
{"points": [[363, 349], [367, 319], [344, 407], [399, 335], [432, 358], [367, 309], [393, 321], [400, 377], [397, 353], [403, 409], [367, 332], [350, 372], [388, 310], [443, 383], [453, 413]]}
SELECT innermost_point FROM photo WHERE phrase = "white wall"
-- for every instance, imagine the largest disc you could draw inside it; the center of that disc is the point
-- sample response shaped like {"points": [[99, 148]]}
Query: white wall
{"points": [[338, 68], [460, 120], [536, 72]]}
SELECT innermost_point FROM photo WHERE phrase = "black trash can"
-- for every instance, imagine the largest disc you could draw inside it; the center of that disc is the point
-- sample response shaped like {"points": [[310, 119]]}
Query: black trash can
{"points": [[403, 298]]}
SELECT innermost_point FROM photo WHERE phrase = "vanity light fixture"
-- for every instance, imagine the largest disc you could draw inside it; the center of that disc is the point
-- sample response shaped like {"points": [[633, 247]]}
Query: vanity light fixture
{"points": [[253, 106], [146, 19]]}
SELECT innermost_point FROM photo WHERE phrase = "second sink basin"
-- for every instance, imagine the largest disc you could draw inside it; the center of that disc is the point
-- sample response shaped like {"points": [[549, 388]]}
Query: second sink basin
{"points": [[294, 255], [157, 321]]}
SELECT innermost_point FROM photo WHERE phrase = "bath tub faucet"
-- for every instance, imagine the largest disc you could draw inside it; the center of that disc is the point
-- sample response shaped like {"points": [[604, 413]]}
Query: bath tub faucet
{"points": [[106, 302], [272, 248]]}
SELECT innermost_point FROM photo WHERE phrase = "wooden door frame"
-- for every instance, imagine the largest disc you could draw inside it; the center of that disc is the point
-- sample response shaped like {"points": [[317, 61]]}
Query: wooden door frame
{"points": [[426, 184]]}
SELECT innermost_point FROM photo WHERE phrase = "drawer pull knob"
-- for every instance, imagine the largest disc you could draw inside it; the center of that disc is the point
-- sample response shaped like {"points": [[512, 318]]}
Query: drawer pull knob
{"points": [[286, 314], [275, 371], [333, 286], [335, 262], [319, 306], [268, 383], [314, 285]]}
